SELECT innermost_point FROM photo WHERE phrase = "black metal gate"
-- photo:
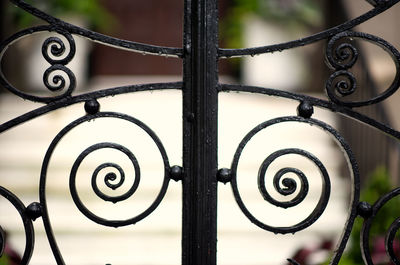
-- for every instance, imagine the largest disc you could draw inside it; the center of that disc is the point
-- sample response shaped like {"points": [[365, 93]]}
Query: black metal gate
{"points": [[200, 87]]}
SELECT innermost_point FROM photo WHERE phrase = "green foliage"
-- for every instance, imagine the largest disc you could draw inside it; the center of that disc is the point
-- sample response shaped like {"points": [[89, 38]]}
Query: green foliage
{"points": [[4, 260], [92, 10], [377, 186], [290, 13]]}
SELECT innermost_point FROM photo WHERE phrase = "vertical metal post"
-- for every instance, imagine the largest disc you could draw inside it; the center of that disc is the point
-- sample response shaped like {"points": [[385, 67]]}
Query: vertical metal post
{"points": [[200, 104]]}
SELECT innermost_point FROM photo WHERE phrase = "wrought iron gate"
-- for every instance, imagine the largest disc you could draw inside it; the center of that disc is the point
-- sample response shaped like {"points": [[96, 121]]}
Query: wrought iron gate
{"points": [[200, 87]]}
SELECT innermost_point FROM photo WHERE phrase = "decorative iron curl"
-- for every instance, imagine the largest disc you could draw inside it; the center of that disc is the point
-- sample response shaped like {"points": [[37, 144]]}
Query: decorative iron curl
{"points": [[58, 81], [108, 177], [393, 229], [289, 186], [97, 37], [54, 46], [345, 86], [27, 221], [379, 7], [343, 56]]}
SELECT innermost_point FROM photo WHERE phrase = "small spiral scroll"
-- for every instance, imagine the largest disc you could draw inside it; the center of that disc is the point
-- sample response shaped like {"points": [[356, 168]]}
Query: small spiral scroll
{"points": [[342, 82], [58, 81], [55, 52], [56, 47], [341, 56], [108, 177], [290, 185]]}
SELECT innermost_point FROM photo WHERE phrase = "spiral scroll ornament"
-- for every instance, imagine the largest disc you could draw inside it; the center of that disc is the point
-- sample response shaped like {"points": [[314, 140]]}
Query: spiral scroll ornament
{"points": [[58, 78], [286, 185], [342, 54], [53, 50], [111, 174], [290, 185], [112, 180], [109, 178]]}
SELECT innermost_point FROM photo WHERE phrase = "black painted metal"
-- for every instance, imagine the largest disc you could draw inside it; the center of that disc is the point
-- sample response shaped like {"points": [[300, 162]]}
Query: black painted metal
{"points": [[200, 87], [200, 96]]}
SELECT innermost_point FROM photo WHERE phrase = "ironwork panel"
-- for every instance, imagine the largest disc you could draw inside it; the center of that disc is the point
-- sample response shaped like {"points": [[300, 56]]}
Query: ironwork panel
{"points": [[200, 86]]}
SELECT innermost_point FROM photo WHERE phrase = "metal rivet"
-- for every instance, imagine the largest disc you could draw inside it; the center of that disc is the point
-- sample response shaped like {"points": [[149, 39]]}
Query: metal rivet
{"points": [[190, 117], [224, 175], [34, 210], [305, 109], [176, 173], [92, 106], [364, 209]]}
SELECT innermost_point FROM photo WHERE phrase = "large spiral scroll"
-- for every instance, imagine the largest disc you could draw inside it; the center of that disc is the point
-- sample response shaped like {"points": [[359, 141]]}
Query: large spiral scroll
{"points": [[287, 185], [113, 174]]}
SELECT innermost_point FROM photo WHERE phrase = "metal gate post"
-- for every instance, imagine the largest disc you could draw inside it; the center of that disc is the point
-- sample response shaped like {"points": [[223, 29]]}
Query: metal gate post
{"points": [[200, 104]]}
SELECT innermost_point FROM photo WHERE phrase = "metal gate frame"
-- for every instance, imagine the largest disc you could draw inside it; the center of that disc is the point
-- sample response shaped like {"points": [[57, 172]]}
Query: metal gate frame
{"points": [[200, 87]]}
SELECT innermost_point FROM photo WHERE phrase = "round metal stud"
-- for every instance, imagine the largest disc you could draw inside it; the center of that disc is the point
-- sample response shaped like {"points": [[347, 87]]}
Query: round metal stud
{"points": [[92, 106], [305, 110], [224, 175], [176, 173], [34, 211], [364, 209]]}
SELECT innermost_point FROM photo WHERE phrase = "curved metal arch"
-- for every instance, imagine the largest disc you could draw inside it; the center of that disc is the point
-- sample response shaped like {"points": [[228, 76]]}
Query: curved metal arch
{"points": [[65, 102], [27, 222], [379, 8], [98, 37], [346, 111]]}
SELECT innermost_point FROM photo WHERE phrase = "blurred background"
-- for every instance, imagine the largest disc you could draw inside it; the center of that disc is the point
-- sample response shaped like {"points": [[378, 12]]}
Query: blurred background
{"points": [[157, 238]]}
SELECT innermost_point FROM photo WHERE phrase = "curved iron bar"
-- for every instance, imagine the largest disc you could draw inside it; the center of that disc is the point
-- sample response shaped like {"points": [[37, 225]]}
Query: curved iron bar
{"points": [[346, 111], [57, 48], [364, 241], [65, 102], [325, 193], [394, 228], [344, 56], [98, 37], [81, 207], [27, 221], [379, 8]]}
